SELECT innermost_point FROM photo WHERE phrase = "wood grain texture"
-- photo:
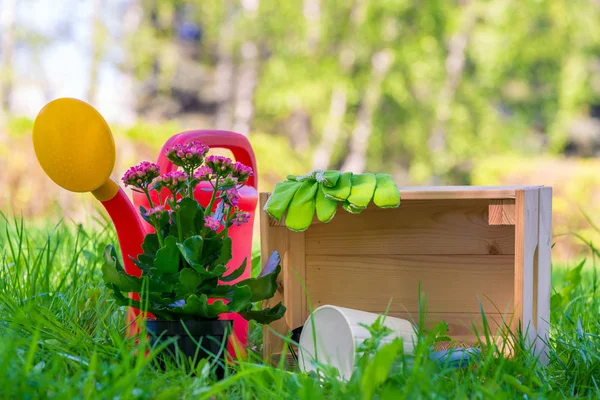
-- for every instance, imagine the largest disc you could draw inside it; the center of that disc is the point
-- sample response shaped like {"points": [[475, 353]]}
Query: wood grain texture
{"points": [[450, 283], [501, 212], [460, 192], [271, 240], [544, 273], [416, 227], [526, 241], [294, 276]]}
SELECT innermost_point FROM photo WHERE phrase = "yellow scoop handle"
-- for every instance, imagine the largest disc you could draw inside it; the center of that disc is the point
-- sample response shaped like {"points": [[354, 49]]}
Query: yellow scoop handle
{"points": [[75, 147]]}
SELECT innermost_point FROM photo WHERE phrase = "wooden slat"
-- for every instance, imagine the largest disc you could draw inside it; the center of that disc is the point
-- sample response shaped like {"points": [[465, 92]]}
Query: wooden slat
{"points": [[273, 240], [459, 192], [544, 273], [460, 325], [294, 278], [416, 227], [451, 283], [502, 212], [526, 241]]}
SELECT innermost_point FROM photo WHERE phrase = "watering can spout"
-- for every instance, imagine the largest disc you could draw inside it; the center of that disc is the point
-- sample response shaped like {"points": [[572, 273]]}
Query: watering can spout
{"points": [[75, 148]]}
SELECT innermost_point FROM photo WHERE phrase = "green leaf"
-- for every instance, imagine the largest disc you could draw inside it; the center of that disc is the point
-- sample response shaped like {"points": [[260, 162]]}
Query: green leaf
{"points": [[263, 287], [113, 272], [191, 249], [265, 316], [150, 245], [377, 371], [211, 251], [188, 209], [222, 291], [241, 299], [189, 280], [168, 257], [225, 251], [159, 310], [143, 262], [236, 273], [198, 306]]}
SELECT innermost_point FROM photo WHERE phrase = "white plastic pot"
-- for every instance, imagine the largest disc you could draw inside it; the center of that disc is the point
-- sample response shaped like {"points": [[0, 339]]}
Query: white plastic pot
{"points": [[337, 333]]}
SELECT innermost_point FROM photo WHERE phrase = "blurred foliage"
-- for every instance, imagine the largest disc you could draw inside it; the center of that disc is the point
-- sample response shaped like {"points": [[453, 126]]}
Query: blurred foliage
{"points": [[468, 77], [575, 193], [474, 92]]}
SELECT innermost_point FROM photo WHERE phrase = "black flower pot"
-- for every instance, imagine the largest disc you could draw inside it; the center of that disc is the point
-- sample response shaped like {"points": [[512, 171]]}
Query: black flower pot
{"points": [[196, 341]]}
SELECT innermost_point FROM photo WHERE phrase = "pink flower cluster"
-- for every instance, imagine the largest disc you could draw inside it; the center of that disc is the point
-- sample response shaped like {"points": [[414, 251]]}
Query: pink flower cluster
{"points": [[154, 211], [219, 164], [188, 155], [232, 197], [240, 218], [203, 173], [141, 175], [211, 223], [241, 172], [173, 181]]}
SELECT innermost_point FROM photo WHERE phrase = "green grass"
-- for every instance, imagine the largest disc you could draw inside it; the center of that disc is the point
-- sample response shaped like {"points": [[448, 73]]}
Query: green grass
{"points": [[61, 336]]}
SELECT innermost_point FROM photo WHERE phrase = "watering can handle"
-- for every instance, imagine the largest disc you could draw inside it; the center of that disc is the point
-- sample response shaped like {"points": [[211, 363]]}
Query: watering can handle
{"points": [[237, 143]]}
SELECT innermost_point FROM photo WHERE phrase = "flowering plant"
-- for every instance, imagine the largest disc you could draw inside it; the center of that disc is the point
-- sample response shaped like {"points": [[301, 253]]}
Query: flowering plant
{"points": [[183, 261]]}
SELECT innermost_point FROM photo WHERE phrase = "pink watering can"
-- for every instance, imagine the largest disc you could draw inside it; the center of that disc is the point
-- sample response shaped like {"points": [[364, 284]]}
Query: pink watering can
{"points": [[76, 149]]}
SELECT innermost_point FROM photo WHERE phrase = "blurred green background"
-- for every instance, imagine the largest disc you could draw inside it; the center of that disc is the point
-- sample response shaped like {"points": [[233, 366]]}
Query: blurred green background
{"points": [[434, 92]]}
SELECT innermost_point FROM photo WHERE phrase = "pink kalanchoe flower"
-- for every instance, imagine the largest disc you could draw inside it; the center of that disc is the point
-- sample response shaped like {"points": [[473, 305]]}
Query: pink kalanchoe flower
{"points": [[203, 173], [187, 155], [154, 211], [232, 197], [241, 172], [211, 223], [240, 218], [227, 182], [141, 175], [173, 181], [219, 164]]}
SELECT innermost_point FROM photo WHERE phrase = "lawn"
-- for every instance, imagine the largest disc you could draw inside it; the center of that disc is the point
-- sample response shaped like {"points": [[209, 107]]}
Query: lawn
{"points": [[62, 337]]}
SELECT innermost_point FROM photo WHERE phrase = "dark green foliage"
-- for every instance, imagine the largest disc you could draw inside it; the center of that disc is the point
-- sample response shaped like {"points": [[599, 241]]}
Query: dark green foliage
{"points": [[180, 279]]}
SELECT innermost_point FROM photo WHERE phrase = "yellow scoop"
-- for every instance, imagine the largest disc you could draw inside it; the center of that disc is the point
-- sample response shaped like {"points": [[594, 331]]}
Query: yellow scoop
{"points": [[75, 147]]}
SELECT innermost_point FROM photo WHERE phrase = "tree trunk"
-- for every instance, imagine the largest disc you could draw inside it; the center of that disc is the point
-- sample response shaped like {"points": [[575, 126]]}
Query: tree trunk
{"points": [[338, 104], [247, 75], [455, 65], [331, 131], [224, 71], [96, 45], [8, 16], [357, 156], [312, 15]]}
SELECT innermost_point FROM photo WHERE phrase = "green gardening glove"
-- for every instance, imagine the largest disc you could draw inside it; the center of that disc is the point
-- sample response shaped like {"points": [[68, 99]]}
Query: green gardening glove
{"points": [[341, 190], [327, 178], [386, 194], [326, 208], [280, 199], [301, 211], [361, 193]]}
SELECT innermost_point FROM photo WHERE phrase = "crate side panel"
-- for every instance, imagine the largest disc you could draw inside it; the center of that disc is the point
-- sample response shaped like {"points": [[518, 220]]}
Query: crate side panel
{"points": [[416, 227], [450, 283], [460, 325]]}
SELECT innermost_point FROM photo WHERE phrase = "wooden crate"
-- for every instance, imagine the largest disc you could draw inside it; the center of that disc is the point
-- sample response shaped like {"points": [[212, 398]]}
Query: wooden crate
{"points": [[467, 247]]}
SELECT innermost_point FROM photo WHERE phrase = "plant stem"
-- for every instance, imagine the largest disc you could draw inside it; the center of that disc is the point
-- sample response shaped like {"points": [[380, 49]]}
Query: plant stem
{"points": [[147, 193], [179, 232], [214, 194]]}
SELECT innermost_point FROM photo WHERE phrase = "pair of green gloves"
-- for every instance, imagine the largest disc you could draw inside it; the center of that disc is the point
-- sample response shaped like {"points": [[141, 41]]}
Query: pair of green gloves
{"points": [[321, 191]]}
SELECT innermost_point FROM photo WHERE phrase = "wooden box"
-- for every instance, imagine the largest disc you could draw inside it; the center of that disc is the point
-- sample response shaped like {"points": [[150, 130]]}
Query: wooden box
{"points": [[467, 247]]}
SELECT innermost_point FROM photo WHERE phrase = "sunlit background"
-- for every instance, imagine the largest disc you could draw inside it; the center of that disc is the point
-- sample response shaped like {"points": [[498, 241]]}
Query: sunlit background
{"points": [[434, 92]]}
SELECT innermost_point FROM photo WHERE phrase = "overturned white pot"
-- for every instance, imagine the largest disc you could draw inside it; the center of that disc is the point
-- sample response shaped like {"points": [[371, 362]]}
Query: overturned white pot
{"points": [[337, 333]]}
